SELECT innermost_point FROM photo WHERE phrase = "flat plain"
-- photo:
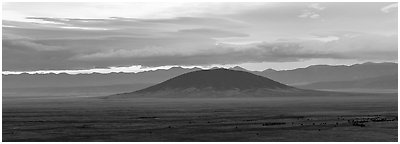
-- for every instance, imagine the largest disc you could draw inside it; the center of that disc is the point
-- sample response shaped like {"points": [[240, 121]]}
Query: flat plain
{"points": [[293, 119]]}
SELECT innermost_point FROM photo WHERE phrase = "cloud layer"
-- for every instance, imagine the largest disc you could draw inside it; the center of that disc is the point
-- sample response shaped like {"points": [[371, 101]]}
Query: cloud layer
{"points": [[252, 33]]}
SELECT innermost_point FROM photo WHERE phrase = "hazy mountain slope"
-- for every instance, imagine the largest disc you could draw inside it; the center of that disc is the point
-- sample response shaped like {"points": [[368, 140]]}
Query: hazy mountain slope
{"points": [[217, 79], [321, 73], [223, 83], [216, 83], [73, 91], [381, 82], [307, 75], [95, 79]]}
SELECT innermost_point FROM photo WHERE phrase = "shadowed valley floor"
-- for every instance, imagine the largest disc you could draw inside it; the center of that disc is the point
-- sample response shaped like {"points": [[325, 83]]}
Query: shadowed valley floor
{"points": [[352, 118]]}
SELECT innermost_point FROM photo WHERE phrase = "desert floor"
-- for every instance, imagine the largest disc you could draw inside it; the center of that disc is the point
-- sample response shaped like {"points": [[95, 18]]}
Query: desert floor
{"points": [[301, 118]]}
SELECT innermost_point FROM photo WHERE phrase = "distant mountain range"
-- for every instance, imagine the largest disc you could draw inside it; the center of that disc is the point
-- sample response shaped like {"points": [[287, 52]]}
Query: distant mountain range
{"points": [[307, 77], [72, 91], [95, 79], [380, 82], [325, 73]]}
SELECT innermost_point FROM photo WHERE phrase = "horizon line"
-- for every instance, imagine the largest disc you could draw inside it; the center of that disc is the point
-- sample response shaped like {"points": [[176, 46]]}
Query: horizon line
{"points": [[149, 69]]}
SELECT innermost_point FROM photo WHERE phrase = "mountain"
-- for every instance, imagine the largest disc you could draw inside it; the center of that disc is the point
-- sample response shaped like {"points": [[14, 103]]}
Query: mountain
{"points": [[381, 82], [311, 74], [106, 84], [238, 68], [215, 83], [218, 79], [94, 79], [325, 73], [269, 71], [72, 91]]}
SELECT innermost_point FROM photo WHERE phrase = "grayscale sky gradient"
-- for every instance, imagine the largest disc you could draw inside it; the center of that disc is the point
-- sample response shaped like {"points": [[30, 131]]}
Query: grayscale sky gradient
{"points": [[256, 36]]}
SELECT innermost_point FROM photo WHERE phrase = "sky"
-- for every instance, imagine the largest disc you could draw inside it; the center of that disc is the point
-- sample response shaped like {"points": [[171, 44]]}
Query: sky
{"points": [[130, 37]]}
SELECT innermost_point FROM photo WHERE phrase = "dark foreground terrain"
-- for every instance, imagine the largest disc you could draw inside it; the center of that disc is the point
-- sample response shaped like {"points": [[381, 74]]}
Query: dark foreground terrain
{"points": [[355, 118]]}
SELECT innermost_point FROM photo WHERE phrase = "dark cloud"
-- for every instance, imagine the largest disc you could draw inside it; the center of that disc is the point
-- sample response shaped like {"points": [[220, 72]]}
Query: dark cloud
{"points": [[202, 21], [263, 52], [28, 55], [56, 47], [279, 52], [212, 33]]}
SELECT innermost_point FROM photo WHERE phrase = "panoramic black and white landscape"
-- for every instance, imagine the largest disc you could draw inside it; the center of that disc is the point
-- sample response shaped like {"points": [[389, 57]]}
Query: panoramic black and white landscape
{"points": [[199, 72]]}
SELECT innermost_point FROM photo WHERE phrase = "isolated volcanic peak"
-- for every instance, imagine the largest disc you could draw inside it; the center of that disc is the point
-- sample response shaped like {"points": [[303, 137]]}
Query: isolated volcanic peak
{"points": [[217, 79]]}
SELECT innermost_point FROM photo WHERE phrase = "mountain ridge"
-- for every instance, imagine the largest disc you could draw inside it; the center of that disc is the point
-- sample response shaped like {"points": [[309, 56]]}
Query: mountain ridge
{"points": [[197, 68], [214, 83], [218, 79], [381, 82], [296, 76]]}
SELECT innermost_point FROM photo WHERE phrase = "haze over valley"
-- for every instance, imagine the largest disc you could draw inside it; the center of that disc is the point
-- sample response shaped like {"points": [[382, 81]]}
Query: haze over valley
{"points": [[380, 77]]}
